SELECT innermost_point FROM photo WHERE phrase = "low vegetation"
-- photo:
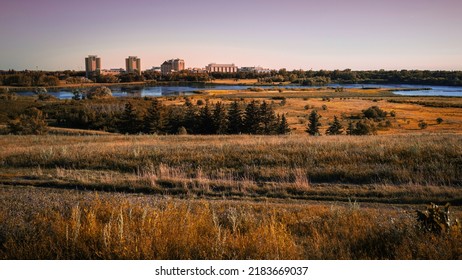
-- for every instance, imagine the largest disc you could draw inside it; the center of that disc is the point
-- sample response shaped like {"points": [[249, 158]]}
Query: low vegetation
{"points": [[48, 224]]}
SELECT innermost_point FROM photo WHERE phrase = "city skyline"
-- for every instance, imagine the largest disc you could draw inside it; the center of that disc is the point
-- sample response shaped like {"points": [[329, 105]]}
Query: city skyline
{"points": [[297, 34]]}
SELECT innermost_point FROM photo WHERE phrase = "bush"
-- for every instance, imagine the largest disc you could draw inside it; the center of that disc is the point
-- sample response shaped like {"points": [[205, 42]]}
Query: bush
{"points": [[182, 131], [361, 128], [31, 122], [439, 120], [423, 125], [375, 113], [99, 93]]}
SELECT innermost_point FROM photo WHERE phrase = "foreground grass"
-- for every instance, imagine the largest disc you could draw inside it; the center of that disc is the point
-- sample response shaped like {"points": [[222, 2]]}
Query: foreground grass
{"points": [[52, 224], [397, 169]]}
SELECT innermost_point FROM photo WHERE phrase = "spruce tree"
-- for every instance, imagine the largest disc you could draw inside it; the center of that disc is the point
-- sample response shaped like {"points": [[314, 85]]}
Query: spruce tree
{"points": [[268, 123], [154, 122], [350, 129], [314, 123], [205, 120], [190, 118], [283, 126], [130, 121], [235, 124], [220, 121], [252, 118], [335, 128]]}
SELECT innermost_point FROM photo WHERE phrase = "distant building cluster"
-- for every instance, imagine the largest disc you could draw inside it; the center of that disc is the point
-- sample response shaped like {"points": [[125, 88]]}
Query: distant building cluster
{"points": [[172, 65], [221, 68], [133, 66]]}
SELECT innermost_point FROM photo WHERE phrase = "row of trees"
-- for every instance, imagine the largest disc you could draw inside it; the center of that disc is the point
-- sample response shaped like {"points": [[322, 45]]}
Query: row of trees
{"points": [[251, 118], [309, 78], [364, 126]]}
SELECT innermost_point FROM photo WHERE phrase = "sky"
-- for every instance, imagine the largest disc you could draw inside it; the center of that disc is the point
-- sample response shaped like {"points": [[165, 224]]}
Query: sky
{"points": [[291, 34]]}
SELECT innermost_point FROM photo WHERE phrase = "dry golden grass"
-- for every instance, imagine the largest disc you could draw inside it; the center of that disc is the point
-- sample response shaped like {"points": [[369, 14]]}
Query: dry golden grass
{"points": [[399, 169], [49, 224]]}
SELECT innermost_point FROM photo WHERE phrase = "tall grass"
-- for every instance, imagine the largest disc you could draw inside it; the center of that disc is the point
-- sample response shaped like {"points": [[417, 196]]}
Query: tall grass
{"points": [[406, 169], [52, 224]]}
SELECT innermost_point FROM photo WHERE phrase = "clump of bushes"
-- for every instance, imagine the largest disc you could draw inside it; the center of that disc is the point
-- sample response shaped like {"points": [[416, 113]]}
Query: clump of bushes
{"points": [[436, 219], [99, 93], [375, 113], [31, 122]]}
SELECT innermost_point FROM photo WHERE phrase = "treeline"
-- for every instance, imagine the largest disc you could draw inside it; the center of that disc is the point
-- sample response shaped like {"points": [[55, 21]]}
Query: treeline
{"points": [[308, 78], [203, 118]]}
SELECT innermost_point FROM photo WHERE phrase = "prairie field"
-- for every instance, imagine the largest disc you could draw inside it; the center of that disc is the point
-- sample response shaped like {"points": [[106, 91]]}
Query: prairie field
{"points": [[83, 194]]}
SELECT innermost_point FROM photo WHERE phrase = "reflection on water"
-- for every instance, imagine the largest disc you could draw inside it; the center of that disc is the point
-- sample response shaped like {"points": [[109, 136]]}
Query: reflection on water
{"points": [[188, 90]]}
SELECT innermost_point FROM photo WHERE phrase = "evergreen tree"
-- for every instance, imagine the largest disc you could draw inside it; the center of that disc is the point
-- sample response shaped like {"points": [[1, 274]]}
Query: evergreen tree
{"points": [[252, 118], [130, 122], [220, 121], [314, 123], [190, 118], [154, 122], [174, 119], [335, 128], [206, 121], [235, 124], [268, 123], [283, 126], [350, 129]]}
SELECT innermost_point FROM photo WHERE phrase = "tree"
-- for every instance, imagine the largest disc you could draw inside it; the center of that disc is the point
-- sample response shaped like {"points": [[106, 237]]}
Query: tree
{"points": [[235, 124], [283, 126], [206, 124], [190, 118], [251, 118], [154, 122], [31, 122], [130, 122], [314, 123], [335, 128], [351, 128], [220, 121], [267, 119]]}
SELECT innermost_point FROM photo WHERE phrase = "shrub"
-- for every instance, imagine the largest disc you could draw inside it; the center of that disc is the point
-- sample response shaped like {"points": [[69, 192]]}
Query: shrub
{"points": [[99, 93], [31, 122], [375, 113], [434, 219], [182, 131], [439, 120], [423, 124]]}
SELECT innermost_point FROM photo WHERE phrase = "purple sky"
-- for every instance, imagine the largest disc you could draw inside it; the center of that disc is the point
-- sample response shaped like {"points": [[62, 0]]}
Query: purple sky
{"points": [[292, 34]]}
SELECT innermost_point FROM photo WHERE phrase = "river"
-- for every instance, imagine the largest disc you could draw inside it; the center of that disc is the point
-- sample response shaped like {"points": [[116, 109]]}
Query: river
{"points": [[189, 90]]}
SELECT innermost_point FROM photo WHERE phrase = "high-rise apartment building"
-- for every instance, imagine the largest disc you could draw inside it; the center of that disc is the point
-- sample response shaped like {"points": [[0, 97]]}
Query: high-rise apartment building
{"points": [[172, 65], [92, 65], [223, 68], [133, 64]]}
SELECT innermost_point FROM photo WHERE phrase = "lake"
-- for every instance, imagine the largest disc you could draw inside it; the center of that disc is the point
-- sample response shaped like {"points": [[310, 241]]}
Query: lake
{"points": [[189, 90]]}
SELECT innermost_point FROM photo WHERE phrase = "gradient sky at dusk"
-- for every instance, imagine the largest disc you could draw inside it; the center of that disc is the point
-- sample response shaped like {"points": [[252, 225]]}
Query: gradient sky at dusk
{"points": [[295, 34]]}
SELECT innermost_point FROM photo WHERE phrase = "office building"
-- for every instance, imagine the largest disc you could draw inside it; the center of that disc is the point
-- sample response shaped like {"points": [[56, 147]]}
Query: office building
{"points": [[172, 65], [133, 65], [92, 65], [222, 68]]}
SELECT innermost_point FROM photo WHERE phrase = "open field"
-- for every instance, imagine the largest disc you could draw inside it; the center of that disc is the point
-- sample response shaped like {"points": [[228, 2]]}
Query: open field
{"points": [[82, 194]]}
